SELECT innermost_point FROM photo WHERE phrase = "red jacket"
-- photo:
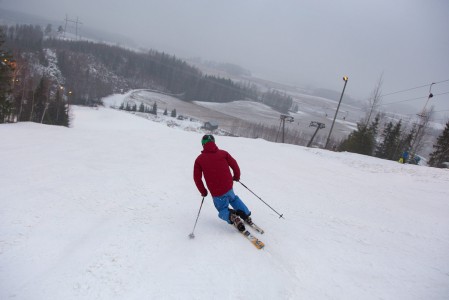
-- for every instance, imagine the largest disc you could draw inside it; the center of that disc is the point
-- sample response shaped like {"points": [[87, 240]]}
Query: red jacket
{"points": [[214, 164]]}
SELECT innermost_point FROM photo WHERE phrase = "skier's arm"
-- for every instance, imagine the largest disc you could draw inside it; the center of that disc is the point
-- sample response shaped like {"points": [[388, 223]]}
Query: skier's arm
{"points": [[234, 166], [197, 177]]}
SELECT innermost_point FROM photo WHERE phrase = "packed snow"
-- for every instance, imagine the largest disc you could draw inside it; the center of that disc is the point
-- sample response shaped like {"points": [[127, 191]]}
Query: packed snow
{"points": [[103, 210]]}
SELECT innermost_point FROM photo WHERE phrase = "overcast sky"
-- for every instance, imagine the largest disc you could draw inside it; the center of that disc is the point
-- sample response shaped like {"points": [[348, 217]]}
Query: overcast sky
{"points": [[303, 42]]}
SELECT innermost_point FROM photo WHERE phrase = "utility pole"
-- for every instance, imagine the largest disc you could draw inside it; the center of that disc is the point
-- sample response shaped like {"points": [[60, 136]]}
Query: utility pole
{"points": [[76, 25], [345, 79], [318, 126], [283, 118], [65, 26], [423, 119]]}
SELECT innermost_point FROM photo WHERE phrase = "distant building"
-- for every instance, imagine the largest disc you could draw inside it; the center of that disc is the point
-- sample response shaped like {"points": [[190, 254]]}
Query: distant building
{"points": [[210, 125]]}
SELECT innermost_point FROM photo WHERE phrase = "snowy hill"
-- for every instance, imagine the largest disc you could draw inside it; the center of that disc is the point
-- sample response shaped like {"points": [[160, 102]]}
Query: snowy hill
{"points": [[103, 210], [230, 115]]}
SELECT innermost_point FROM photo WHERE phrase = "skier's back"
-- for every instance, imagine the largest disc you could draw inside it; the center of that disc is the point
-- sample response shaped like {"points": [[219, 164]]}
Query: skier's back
{"points": [[215, 164]]}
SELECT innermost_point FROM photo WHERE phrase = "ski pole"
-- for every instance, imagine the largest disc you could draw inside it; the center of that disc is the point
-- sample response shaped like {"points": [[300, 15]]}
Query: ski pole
{"points": [[192, 235], [280, 215]]}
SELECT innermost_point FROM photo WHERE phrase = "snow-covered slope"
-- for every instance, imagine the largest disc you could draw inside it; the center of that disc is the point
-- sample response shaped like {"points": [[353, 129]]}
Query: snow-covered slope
{"points": [[103, 211]]}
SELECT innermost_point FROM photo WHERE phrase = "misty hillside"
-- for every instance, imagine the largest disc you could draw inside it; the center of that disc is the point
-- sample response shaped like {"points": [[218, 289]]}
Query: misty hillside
{"points": [[94, 70]]}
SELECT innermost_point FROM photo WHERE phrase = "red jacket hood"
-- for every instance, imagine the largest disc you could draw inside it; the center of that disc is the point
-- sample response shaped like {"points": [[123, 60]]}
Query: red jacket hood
{"points": [[209, 147]]}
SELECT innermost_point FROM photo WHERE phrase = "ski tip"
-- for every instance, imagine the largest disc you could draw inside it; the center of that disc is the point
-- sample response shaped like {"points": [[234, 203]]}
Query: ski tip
{"points": [[259, 245]]}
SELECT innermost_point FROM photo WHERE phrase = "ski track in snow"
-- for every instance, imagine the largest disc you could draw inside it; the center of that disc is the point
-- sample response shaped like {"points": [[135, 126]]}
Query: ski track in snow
{"points": [[103, 211]]}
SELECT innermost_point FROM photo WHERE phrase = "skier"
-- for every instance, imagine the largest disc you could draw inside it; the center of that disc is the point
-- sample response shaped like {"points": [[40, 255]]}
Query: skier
{"points": [[214, 164], [404, 157]]}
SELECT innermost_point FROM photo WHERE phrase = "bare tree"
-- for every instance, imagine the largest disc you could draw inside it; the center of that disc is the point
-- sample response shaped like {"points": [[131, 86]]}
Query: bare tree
{"points": [[422, 127], [375, 99]]}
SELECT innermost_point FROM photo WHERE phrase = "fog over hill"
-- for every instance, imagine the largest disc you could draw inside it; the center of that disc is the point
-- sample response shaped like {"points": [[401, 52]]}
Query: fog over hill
{"points": [[281, 49], [85, 32], [311, 103]]}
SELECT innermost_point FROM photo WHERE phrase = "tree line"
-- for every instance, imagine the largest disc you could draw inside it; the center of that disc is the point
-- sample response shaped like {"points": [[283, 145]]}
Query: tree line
{"points": [[124, 69], [393, 140], [384, 141], [91, 71], [28, 90]]}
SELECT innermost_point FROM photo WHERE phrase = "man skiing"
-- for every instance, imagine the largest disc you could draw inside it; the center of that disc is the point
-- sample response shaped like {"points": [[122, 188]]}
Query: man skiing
{"points": [[214, 164]]}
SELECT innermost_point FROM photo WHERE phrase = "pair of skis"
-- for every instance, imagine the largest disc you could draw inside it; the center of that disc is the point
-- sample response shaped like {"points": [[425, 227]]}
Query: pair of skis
{"points": [[254, 240]]}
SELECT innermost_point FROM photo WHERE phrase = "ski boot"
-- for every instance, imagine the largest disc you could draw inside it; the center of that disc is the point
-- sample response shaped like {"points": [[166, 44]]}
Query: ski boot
{"points": [[237, 222], [244, 217]]}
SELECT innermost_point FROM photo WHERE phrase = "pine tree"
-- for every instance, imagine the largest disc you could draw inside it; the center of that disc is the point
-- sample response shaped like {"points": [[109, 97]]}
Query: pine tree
{"points": [[141, 107], [405, 142], [40, 100], [362, 140], [165, 112], [6, 68], [61, 111], [48, 30], [154, 110], [173, 113], [388, 149], [440, 153], [381, 149]]}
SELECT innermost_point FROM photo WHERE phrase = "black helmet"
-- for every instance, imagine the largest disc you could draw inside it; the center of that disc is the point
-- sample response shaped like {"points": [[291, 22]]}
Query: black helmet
{"points": [[207, 138]]}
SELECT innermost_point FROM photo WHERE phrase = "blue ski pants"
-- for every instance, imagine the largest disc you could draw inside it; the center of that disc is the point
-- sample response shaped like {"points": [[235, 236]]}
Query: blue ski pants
{"points": [[222, 203]]}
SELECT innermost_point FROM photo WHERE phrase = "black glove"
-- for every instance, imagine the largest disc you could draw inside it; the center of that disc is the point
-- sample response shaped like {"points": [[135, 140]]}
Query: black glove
{"points": [[204, 195]]}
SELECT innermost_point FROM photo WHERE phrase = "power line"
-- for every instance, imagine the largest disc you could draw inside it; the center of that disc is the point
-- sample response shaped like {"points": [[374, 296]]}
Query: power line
{"points": [[414, 88], [401, 91], [441, 81], [402, 101], [412, 99]]}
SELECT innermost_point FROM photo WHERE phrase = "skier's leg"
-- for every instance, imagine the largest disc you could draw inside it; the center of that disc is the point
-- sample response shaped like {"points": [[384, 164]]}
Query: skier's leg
{"points": [[221, 203], [238, 205]]}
